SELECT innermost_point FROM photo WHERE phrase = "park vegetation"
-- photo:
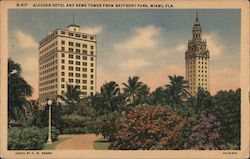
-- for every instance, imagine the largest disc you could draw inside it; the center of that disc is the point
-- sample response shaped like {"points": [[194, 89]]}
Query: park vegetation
{"points": [[130, 117]]}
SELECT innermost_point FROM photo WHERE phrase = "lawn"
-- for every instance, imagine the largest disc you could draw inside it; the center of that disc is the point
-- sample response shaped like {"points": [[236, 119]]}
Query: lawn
{"points": [[101, 144], [54, 144]]}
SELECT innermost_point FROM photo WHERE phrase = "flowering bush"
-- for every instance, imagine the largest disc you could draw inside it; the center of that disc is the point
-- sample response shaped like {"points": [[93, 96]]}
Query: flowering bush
{"points": [[148, 127], [205, 135]]}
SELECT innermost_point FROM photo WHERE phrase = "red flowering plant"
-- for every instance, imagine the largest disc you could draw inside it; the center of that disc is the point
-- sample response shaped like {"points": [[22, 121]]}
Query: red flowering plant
{"points": [[205, 135], [148, 128]]}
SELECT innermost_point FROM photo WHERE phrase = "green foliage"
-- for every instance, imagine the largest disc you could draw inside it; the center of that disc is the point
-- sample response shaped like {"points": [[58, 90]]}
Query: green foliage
{"points": [[134, 90], [108, 125], [148, 127], [31, 138], [176, 90], [76, 124], [158, 96], [85, 108], [71, 100], [41, 118], [18, 90], [108, 100], [227, 110]]}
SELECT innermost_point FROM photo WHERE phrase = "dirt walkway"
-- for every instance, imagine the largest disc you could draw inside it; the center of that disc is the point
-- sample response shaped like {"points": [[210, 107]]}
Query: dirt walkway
{"points": [[78, 142]]}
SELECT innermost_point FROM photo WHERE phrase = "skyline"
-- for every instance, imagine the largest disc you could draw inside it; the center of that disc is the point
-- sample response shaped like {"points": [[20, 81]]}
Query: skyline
{"points": [[153, 47]]}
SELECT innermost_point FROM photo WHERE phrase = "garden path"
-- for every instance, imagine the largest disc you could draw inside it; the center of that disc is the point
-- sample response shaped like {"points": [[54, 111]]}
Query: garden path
{"points": [[78, 142]]}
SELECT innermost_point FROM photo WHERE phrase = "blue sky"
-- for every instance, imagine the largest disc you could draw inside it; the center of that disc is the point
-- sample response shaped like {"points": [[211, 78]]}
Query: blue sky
{"points": [[149, 43]]}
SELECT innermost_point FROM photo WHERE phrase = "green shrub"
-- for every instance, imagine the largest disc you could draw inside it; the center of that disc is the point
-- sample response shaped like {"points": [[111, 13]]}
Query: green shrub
{"points": [[77, 130], [108, 125], [76, 124], [227, 108], [148, 127], [31, 138]]}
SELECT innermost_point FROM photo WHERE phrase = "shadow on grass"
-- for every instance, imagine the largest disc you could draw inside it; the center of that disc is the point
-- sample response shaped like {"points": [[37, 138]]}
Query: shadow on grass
{"points": [[101, 144], [54, 144]]}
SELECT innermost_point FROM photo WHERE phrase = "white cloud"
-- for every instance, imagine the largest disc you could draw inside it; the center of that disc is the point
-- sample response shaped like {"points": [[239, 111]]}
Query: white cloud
{"points": [[181, 47], [92, 30], [213, 44], [30, 64], [25, 41], [30, 72], [143, 38], [134, 63]]}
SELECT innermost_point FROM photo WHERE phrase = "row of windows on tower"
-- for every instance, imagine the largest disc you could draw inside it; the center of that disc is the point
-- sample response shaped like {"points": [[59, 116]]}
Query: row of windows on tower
{"points": [[199, 62], [48, 82], [78, 80], [48, 76], [77, 51], [46, 65], [77, 62], [48, 88], [77, 74], [71, 68], [51, 69], [72, 56], [51, 93], [49, 58], [48, 47], [199, 79], [77, 44], [77, 35], [198, 67], [198, 71], [199, 84], [78, 87], [71, 74], [198, 75]]}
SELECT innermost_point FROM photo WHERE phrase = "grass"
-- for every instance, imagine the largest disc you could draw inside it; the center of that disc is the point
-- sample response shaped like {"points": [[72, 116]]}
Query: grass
{"points": [[54, 144], [101, 144]]}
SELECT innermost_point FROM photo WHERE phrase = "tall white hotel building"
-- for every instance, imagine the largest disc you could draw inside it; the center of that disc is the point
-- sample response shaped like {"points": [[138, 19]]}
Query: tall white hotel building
{"points": [[66, 56]]}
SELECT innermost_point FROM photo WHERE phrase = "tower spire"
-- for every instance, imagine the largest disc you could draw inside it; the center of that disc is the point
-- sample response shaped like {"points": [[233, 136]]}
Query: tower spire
{"points": [[197, 16]]}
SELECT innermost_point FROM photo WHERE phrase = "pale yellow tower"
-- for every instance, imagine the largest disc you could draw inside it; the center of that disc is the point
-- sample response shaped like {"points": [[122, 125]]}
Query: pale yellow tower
{"points": [[67, 56], [197, 61]]}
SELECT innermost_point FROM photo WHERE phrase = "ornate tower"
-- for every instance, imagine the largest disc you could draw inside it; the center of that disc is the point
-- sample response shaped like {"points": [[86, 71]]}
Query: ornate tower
{"points": [[197, 60]]}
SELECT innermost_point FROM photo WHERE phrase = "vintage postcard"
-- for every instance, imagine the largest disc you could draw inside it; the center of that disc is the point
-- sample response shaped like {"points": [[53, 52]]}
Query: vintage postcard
{"points": [[124, 79]]}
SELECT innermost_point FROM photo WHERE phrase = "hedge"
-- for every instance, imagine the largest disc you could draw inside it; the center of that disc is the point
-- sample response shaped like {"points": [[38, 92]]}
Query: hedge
{"points": [[31, 138]]}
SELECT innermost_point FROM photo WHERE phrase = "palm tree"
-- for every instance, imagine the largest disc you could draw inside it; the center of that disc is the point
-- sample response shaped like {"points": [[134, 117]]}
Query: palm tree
{"points": [[157, 97], [71, 99], [109, 99], [18, 91], [143, 95], [177, 90], [132, 89]]}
